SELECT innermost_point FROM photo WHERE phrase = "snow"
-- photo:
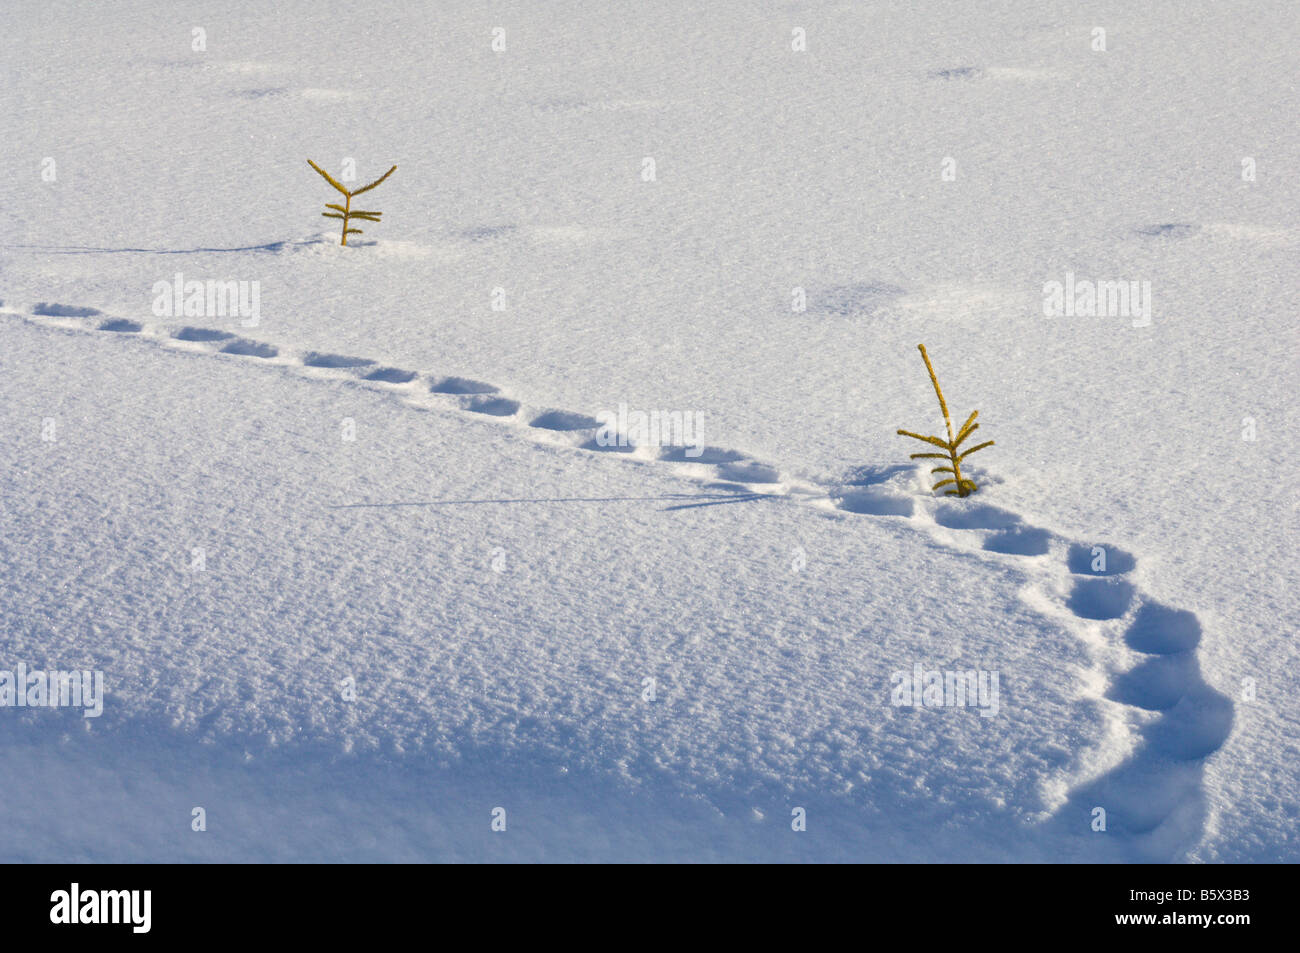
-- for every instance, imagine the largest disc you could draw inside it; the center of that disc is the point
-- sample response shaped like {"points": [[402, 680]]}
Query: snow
{"points": [[386, 479]]}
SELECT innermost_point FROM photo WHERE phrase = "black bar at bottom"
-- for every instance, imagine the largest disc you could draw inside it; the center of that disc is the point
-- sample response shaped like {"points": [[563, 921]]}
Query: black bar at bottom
{"points": [[339, 904]]}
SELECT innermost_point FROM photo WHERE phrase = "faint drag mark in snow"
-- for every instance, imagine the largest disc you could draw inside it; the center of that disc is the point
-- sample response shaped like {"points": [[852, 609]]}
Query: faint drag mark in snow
{"points": [[253, 66], [955, 300], [1005, 73], [277, 247], [1169, 230], [548, 234], [575, 105], [957, 72], [864, 299], [485, 233], [689, 500], [329, 95], [267, 92], [319, 245], [1024, 74], [739, 498]]}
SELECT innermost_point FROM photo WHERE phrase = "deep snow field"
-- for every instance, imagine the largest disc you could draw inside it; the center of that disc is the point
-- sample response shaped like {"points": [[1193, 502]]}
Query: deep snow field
{"points": [[359, 573]]}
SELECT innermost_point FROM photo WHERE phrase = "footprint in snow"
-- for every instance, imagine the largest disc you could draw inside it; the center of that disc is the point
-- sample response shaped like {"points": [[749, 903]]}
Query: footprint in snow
{"points": [[121, 325], [460, 385], [335, 361], [1098, 559], [975, 516], [1154, 799], [872, 501], [492, 406], [64, 311], [201, 335], [563, 420], [246, 348], [1020, 541], [390, 375]]}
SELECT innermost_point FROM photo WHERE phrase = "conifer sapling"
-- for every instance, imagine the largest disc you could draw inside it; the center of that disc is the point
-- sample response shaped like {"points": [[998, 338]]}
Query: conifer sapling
{"points": [[345, 211], [961, 485]]}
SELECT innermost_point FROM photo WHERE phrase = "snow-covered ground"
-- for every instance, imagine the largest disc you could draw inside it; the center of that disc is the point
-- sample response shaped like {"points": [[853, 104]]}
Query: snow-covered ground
{"points": [[358, 572]]}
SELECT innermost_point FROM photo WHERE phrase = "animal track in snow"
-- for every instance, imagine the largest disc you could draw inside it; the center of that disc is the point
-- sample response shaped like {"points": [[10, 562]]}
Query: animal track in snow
{"points": [[316, 359], [120, 325], [391, 375], [246, 348], [1020, 541], [201, 335], [875, 502], [1155, 795], [700, 455], [1100, 598], [976, 516], [564, 421], [595, 446], [748, 471], [494, 406], [460, 385], [64, 311], [1099, 560], [1153, 798], [1159, 630], [479, 397]]}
